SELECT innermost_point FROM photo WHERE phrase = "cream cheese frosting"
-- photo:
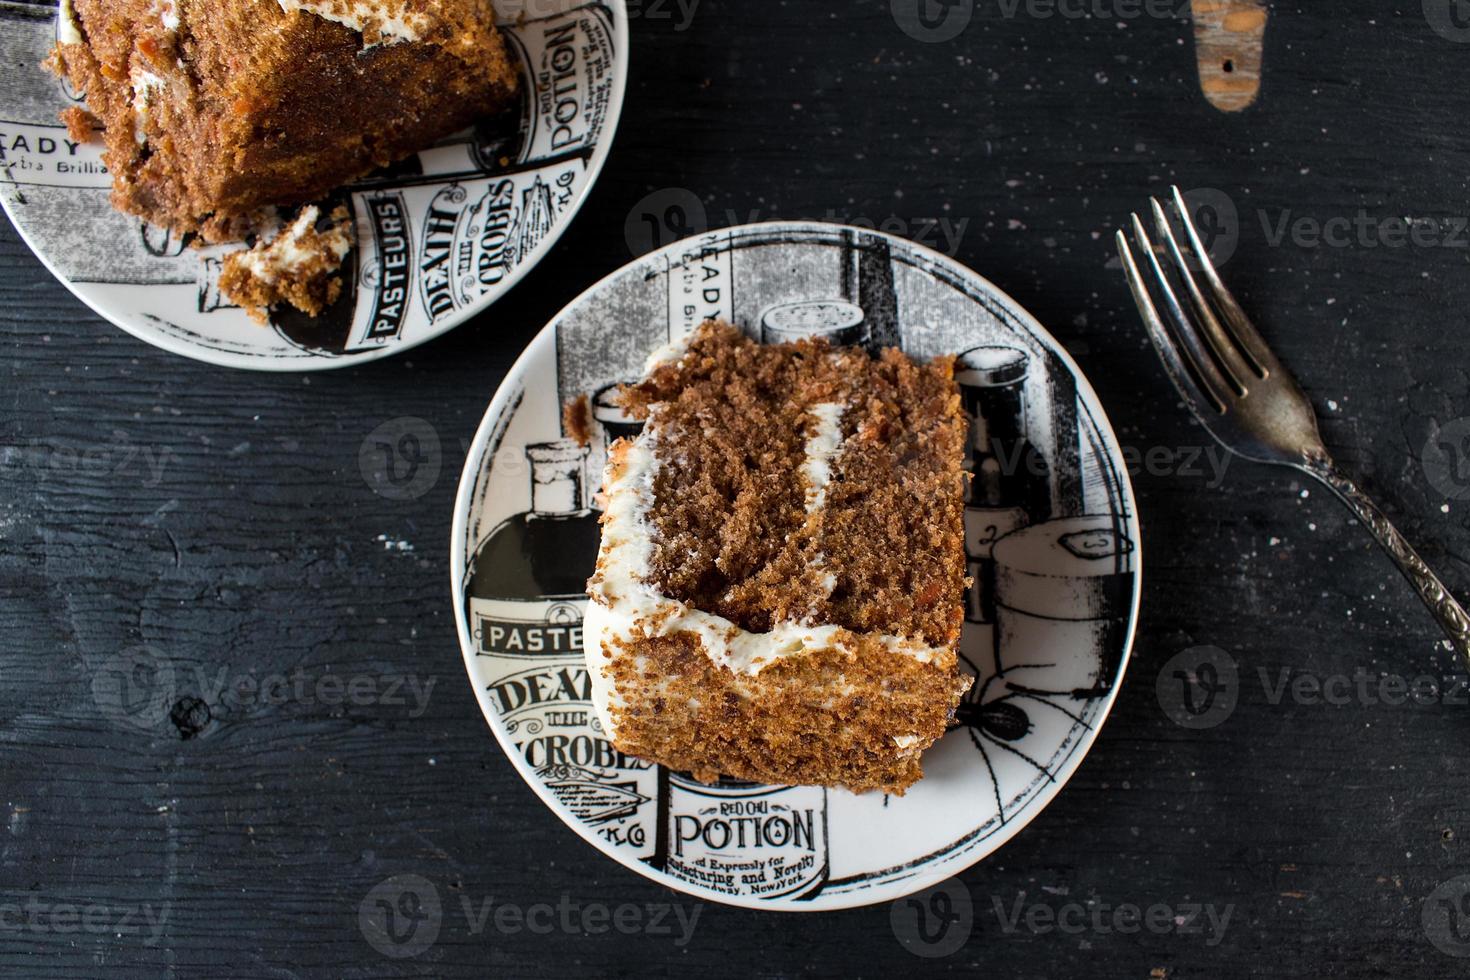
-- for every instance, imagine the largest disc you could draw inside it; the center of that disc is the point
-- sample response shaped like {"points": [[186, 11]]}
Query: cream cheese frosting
{"points": [[624, 605], [285, 254], [145, 83], [67, 31], [393, 21]]}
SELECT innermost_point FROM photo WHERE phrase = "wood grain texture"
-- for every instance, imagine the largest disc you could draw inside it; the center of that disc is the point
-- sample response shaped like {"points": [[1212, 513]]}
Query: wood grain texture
{"points": [[1229, 36], [255, 549]]}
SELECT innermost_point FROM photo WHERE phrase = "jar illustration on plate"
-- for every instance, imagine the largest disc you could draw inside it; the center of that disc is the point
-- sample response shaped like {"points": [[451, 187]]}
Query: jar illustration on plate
{"points": [[741, 838], [836, 321], [1010, 484], [613, 423], [1063, 597], [1063, 593], [526, 601], [863, 309]]}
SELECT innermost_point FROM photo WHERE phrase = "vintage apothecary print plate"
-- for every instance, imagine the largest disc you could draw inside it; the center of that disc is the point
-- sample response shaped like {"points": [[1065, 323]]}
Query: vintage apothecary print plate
{"points": [[440, 236], [1052, 534]]}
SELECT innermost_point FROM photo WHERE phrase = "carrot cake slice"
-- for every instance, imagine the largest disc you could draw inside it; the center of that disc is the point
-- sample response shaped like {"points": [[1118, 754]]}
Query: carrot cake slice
{"points": [[214, 110], [780, 586]]}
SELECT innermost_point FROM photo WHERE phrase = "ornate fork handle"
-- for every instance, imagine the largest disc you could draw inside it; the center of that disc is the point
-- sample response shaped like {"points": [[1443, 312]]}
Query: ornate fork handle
{"points": [[1451, 615]]}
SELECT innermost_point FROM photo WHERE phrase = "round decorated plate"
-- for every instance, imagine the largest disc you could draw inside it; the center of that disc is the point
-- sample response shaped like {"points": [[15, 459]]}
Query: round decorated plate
{"points": [[1051, 534], [440, 236]]}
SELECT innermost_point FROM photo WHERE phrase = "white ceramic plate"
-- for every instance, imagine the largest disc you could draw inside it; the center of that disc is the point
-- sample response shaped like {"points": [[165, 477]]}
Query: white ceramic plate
{"points": [[1049, 641], [440, 236]]}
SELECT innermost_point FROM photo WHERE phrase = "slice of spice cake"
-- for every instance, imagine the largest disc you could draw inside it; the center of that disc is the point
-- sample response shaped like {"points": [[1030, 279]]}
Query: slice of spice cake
{"points": [[781, 580], [213, 110]]}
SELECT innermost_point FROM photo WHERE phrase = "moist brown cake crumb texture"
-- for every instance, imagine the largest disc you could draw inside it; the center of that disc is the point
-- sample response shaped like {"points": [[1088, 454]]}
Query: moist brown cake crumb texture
{"points": [[576, 420], [310, 284], [732, 536], [81, 125], [828, 718], [731, 532], [243, 106]]}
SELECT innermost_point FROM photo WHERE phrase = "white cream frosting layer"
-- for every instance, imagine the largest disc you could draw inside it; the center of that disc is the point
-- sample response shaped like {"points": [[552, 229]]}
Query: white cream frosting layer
{"points": [[822, 446], [625, 606], [394, 21], [67, 31], [285, 254], [145, 83]]}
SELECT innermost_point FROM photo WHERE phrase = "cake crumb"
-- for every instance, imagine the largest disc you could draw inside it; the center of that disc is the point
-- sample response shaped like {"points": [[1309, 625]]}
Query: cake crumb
{"points": [[576, 420], [297, 266], [81, 125]]}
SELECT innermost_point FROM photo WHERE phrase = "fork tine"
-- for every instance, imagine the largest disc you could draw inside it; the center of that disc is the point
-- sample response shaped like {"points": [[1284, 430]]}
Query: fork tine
{"points": [[1227, 356], [1169, 354], [1239, 325], [1185, 333]]}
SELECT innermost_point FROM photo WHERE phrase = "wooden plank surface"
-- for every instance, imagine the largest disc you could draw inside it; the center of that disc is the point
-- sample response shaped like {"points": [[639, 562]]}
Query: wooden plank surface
{"points": [[1229, 38], [252, 546]]}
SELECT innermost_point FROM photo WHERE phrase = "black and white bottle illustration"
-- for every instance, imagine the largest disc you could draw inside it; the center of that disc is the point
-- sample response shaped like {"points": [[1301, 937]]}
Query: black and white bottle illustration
{"points": [[1046, 615], [1010, 485], [526, 602], [527, 589], [1065, 585], [742, 838], [611, 423], [864, 310]]}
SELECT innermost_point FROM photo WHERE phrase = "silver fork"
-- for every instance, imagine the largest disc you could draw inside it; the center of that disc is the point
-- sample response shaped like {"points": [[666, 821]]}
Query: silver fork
{"points": [[1244, 396]]}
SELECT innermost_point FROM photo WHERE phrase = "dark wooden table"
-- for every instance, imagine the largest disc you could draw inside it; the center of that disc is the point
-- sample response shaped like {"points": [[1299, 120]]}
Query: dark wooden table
{"points": [[166, 521]]}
